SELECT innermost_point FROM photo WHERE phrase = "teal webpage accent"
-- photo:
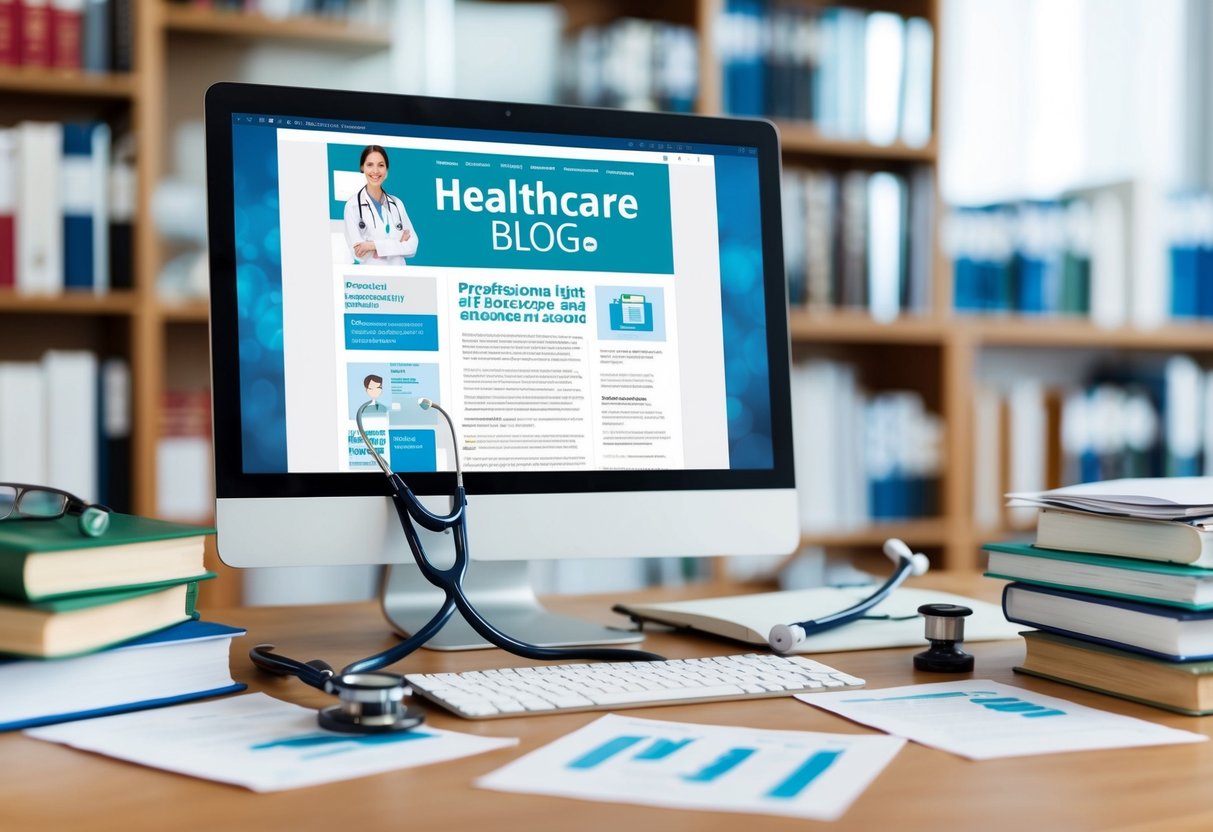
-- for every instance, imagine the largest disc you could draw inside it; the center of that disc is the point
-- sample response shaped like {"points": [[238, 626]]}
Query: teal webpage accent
{"points": [[477, 210]]}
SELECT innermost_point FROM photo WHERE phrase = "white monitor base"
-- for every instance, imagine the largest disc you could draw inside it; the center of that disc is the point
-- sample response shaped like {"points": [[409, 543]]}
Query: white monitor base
{"points": [[501, 591]]}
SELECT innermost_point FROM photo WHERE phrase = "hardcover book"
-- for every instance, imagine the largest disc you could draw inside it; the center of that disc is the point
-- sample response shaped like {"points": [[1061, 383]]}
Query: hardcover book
{"points": [[1156, 630], [82, 624], [41, 560], [1130, 537], [184, 662], [1151, 581], [1185, 687]]}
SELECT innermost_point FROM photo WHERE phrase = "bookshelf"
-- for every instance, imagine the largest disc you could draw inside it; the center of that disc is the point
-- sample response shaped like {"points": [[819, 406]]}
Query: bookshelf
{"points": [[157, 337], [180, 49]]}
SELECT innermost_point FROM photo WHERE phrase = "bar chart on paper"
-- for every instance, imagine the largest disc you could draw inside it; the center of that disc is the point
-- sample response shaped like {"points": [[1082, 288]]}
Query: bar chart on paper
{"points": [[708, 767]]}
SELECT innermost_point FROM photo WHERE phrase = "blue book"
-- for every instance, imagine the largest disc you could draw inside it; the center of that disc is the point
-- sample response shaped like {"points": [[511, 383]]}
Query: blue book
{"points": [[85, 200], [1166, 632], [178, 664]]}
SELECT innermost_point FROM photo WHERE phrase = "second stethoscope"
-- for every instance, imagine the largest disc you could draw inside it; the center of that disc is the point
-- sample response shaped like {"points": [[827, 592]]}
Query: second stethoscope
{"points": [[364, 198], [373, 701]]}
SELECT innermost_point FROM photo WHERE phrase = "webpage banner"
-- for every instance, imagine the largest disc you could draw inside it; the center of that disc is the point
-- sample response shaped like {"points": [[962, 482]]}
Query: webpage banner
{"points": [[540, 299]]}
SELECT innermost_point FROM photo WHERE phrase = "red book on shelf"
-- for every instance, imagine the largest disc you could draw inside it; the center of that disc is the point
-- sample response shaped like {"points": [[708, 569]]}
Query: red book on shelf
{"points": [[10, 32], [8, 207], [35, 32], [67, 30]]}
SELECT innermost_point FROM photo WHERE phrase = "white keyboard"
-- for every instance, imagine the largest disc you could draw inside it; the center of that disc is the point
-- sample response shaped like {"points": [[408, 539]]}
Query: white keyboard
{"points": [[516, 691]]}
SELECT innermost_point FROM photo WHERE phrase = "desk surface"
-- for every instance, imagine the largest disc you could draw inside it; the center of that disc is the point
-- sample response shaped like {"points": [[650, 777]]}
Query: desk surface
{"points": [[51, 787]]}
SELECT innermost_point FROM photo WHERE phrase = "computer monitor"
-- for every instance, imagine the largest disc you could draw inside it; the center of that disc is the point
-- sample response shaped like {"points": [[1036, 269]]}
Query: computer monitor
{"points": [[596, 296]]}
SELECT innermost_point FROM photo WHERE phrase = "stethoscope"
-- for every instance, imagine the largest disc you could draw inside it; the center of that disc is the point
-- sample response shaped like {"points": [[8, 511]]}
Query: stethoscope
{"points": [[391, 201], [786, 637], [373, 702]]}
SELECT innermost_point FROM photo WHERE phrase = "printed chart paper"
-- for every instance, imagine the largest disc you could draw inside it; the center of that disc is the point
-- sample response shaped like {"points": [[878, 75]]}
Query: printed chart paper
{"points": [[708, 767], [984, 720], [260, 743]]}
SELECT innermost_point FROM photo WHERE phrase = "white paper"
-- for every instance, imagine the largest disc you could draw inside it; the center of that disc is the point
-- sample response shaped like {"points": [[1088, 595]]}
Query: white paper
{"points": [[260, 743], [712, 768], [984, 720]]}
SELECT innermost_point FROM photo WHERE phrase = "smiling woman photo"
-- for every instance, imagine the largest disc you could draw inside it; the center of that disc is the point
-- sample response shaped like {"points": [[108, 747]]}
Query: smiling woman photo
{"points": [[377, 228]]}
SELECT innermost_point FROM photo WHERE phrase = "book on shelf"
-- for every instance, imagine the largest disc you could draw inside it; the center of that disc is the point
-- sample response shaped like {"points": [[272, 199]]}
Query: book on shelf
{"points": [[1184, 687], [1129, 537], [1157, 582], [1166, 632], [77, 624], [85, 201], [47, 559], [181, 663], [22, 422]]}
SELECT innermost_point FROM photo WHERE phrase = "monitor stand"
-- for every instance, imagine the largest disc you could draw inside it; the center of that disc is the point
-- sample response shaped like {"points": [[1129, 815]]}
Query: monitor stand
{"points": [[501, 591]]}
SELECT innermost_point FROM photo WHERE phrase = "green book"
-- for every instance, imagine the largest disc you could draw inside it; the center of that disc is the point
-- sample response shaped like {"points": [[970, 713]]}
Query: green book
{"points": [[1185, 687], [1152, 581], [51, 559], [80, 624]]}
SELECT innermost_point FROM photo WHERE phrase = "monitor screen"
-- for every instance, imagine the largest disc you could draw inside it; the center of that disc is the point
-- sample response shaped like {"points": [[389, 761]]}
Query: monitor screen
{"points": [[596, 297]]}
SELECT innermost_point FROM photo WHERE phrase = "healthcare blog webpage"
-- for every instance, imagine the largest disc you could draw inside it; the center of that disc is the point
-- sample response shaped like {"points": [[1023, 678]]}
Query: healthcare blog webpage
{"points": [[562, 304]]}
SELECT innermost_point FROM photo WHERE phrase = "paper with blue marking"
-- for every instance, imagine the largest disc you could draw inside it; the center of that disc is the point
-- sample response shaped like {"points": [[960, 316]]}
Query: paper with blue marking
{"points": [[713, 768], [260, 743], [984, 720]]}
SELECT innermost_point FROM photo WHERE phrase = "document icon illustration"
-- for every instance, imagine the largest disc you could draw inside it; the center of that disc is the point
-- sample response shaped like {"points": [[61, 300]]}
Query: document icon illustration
{"points": [[632, 309], [631, 313]]}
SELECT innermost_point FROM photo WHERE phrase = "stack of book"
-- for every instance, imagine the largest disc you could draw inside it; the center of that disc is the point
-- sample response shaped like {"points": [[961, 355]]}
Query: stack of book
{"points": [[1119, 586], [94, 625]]}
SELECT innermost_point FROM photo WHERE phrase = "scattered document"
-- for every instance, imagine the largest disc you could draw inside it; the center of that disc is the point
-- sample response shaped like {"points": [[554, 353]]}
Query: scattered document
{"points": [[260, 743], [712, 768], [984, 720]]}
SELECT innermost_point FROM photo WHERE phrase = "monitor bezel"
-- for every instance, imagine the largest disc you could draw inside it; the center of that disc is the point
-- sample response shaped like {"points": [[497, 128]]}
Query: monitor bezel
{"points": [[225, 100]]}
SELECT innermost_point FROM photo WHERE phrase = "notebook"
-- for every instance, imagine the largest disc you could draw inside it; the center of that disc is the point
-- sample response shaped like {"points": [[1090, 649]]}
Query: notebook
{"points": [[749, 618]]}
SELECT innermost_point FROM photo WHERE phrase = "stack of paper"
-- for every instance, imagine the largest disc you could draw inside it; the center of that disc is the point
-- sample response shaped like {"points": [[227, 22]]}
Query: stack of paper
{"points": [[1156, 498]]}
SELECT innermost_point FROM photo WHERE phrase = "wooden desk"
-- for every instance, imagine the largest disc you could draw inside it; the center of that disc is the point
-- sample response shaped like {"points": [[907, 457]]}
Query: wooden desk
{"points": [[51, 787]]}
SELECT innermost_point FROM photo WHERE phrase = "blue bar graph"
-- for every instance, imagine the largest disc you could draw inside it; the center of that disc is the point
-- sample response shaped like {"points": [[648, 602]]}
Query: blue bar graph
{"points": [[725, 763], [662, 748], [604, 752], [799, 780]]}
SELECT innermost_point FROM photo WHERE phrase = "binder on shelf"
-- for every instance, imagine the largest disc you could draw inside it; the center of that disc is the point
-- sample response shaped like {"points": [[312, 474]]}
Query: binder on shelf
{"points": [[39, 214], [22, 422], [85, 199]]}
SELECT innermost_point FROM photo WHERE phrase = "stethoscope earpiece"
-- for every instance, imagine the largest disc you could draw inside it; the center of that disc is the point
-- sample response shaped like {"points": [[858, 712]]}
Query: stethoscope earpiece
{"points": [[784, 638]]}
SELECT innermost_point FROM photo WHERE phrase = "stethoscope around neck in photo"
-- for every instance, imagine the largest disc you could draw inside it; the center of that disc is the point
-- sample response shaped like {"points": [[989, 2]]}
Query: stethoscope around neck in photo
{"points": [[364, 198], [372, 701]]}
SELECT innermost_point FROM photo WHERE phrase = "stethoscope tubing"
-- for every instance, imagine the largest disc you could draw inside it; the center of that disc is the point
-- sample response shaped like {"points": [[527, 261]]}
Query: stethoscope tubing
{"points": [[392, 206]]}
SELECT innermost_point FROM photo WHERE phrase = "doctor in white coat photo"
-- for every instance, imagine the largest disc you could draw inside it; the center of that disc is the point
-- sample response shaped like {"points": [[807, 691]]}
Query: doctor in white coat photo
{"points": [[377, 228]]}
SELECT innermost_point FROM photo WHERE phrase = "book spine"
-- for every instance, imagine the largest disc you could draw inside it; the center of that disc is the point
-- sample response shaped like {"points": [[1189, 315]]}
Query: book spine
{"points": [[10, 32], [67, 30], [36, 33], [8, 208]]}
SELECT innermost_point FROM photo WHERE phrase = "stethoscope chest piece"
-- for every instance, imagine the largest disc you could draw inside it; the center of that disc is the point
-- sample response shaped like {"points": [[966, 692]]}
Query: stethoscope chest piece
{"points": [[370, 703], [945, 630]]}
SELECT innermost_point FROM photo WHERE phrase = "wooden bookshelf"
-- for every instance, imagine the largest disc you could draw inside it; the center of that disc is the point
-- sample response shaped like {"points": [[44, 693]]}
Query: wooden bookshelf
{"points": [[257, 27], [66, 83], [937, 352]]}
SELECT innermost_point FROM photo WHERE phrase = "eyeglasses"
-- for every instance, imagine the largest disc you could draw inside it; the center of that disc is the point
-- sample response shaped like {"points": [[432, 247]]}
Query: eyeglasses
{"points": [[38, 502]]}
